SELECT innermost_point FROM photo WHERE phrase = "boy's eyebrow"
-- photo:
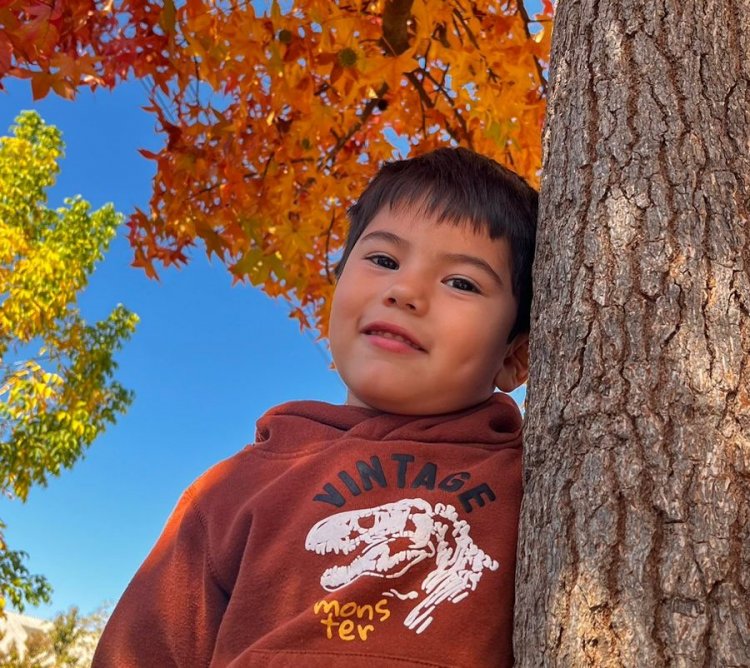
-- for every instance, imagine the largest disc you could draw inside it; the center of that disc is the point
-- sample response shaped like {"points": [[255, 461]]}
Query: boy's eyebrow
{"points": [[473, 260], [477, 262], [385, 236]]}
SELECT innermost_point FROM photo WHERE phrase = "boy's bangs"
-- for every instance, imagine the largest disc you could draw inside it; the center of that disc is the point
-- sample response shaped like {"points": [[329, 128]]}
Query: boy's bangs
{"points": [[442, 205], [458, 203]]}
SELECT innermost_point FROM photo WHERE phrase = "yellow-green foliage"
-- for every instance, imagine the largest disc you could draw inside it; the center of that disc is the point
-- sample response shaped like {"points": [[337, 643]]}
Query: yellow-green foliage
{"points": [[57, 391]]}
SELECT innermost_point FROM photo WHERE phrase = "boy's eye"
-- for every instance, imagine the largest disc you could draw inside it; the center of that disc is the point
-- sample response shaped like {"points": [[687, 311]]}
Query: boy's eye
{"points": [[383, 261], [462, 284]]}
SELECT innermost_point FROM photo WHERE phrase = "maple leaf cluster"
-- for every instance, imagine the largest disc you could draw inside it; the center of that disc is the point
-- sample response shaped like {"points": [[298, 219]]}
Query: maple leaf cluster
{"points": [[273, 123]]}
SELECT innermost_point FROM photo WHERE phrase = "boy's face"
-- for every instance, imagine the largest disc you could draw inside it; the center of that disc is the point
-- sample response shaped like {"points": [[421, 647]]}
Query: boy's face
{"points": [[421, 316]]}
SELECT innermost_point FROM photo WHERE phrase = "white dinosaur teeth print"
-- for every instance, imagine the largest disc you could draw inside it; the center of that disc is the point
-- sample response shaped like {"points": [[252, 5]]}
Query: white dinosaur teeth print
{"points": [[378, 533], [402, 597]]}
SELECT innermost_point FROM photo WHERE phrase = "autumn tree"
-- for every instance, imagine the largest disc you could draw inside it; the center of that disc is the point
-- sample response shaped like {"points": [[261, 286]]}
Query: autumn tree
{"points": [[635, 545], [57, 392], [274, 122]]}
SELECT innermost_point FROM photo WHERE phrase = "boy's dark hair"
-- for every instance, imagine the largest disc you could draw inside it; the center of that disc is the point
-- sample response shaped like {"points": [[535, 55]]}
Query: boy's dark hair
{"points": [[457, 185]]}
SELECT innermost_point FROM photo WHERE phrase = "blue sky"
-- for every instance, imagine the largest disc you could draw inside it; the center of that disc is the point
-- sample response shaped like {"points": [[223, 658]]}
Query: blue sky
{"points": [[206, 361]]}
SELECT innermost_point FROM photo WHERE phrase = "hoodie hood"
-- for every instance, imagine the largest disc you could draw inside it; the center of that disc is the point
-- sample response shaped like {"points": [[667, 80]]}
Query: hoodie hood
{"points": [[494, 423]]}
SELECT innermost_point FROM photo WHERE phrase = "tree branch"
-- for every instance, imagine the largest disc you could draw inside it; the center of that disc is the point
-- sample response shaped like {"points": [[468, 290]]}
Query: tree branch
{"points": [[444, 92], [424, 98], [396, 14], [526, 20], [367, 110]]}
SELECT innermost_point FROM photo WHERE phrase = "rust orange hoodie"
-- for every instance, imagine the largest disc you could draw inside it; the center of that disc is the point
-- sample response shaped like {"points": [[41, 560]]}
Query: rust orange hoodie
{"points": [[341, 537]]}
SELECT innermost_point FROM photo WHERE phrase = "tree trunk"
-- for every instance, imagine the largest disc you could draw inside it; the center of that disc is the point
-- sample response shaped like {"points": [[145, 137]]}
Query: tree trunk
{"points": [[635, 542]]}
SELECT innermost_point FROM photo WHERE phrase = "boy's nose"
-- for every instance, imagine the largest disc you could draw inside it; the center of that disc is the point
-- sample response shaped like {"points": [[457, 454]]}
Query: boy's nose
{"points": [[406, 296]]}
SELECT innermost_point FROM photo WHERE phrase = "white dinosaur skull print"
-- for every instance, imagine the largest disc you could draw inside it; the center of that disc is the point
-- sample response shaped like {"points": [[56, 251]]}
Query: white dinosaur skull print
{"points": [[392, 538]]}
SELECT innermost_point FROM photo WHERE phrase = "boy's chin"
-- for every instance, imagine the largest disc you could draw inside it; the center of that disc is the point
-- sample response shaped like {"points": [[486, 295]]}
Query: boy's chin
{"points": [[401, 406]]}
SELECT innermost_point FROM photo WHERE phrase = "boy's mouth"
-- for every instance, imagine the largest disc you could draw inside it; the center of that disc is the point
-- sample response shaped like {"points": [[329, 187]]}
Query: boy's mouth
{"points": [[392, 332]]}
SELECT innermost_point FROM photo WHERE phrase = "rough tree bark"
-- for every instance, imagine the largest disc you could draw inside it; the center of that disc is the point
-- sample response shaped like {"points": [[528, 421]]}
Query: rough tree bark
{"points": [[635, 547]]}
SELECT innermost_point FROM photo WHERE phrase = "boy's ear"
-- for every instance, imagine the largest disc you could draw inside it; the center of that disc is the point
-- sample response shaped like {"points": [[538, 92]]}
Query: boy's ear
{"points": [[515, 367]]}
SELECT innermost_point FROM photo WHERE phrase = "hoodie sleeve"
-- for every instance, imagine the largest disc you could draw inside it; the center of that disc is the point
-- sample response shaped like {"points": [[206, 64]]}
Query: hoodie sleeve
{"points": [[171, 611]]}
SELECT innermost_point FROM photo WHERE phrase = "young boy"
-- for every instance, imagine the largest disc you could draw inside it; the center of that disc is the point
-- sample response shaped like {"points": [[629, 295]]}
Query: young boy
{"points": [[383, 532]]}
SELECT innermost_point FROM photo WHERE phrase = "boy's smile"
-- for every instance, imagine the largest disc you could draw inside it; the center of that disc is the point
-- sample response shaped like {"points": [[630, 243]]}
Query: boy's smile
{"points": [[393, 338], [421, 316]]}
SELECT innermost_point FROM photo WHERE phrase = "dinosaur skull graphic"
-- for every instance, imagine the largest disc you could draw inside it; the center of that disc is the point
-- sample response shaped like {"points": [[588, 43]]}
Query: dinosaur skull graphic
{"points": [[388, 540]]}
